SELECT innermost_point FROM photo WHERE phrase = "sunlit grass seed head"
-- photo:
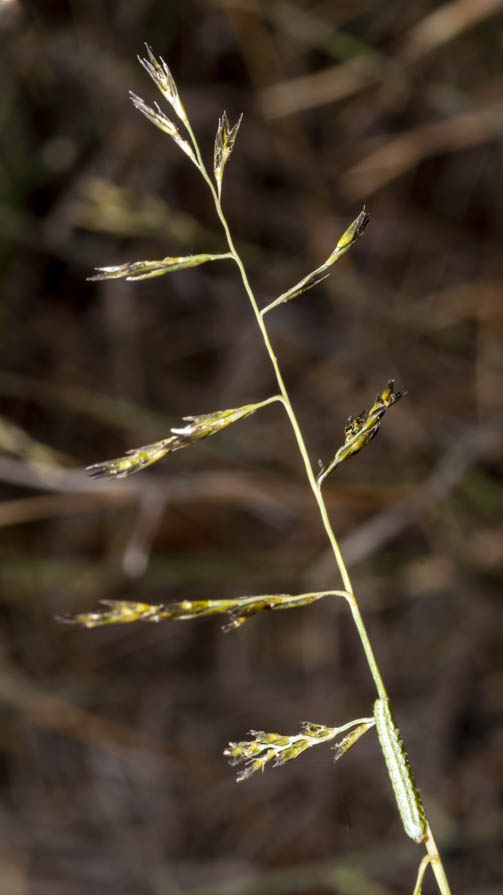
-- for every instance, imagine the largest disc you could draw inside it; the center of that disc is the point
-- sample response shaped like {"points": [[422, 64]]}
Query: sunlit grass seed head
{"points": [[265, 747], [163, 79], [237, 609], [157, 117], [353, 233], [197, 428], [278, 749], [224, 144], [347, 240], [144, 270], [360, 430]]}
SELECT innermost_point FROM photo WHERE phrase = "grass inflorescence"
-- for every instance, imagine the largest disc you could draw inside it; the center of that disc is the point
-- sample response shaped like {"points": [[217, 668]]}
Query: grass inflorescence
{"points": [[266, 748]]}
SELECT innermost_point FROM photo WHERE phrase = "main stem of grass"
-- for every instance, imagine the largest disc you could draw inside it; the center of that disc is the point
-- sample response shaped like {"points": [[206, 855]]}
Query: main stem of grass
{"points": [[346, 580], [430, 845]]}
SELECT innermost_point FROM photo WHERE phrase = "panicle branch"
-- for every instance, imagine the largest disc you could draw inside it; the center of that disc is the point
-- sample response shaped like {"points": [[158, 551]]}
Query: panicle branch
{"points": [[144, 270], [197, 428], [347, 240], [277, 749], [238, 609], [359, 430]]}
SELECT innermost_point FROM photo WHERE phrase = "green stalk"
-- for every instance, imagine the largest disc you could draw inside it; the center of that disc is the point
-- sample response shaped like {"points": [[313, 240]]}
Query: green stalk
{"points": [[430, 845]]}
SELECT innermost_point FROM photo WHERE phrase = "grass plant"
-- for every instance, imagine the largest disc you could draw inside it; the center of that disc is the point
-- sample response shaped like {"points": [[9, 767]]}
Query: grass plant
{"points": [[252, 755]]}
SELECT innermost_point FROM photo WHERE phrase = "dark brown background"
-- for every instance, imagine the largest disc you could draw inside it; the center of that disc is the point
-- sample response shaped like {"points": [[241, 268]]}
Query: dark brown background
{"points": [[111, 769]]}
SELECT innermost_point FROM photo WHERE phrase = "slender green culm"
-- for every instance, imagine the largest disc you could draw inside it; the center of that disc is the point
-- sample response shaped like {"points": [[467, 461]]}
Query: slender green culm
{"points": [[266, 748]]}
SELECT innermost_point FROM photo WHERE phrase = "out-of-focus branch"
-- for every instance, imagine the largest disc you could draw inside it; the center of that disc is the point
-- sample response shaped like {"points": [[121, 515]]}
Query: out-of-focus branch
{"points": [[54, 712], [72, 491], [445, 24], [348, 78], [404, 152]]}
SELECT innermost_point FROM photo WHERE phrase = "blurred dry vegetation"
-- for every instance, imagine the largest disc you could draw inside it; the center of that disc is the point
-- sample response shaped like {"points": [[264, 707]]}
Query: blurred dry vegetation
{"points": [[112, 775]]}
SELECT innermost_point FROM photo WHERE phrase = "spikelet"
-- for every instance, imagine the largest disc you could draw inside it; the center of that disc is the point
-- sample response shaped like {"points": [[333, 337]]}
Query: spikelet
{"points": [[198, 427], [163, 79], [224, 144], [351, 738], [237, 609], [347, 240], [355, 230], [157, 117], [360, 430], [254, 754], [143, 270]]}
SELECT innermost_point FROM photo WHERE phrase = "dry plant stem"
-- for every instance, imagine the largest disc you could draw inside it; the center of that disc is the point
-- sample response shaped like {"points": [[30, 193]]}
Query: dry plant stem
{"points": [[430, 845]]}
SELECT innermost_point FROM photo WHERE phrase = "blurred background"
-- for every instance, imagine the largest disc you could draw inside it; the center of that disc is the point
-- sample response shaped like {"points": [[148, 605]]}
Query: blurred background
{"points": [[112, 774]]}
